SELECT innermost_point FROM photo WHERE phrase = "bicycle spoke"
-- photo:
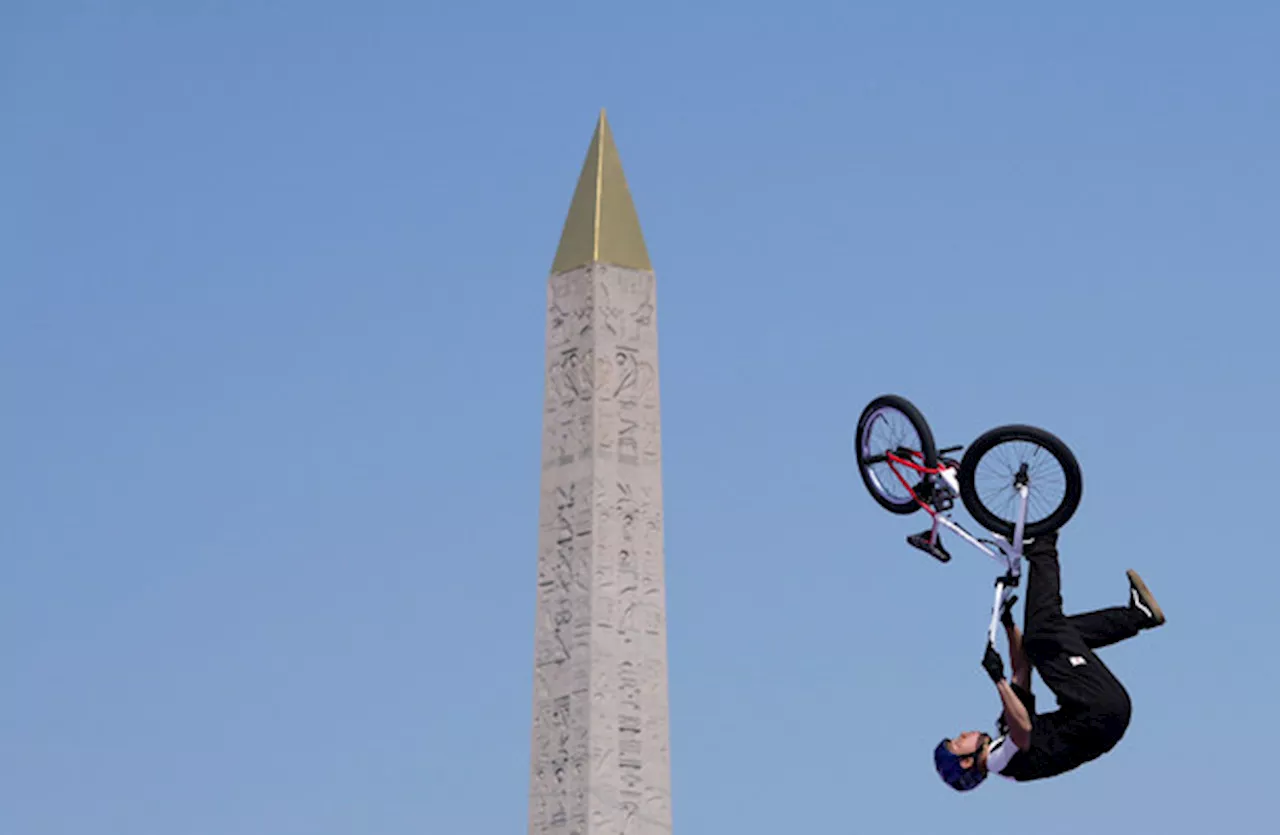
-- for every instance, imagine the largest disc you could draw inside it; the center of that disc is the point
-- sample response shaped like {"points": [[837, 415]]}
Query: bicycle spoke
{"points": [[1046, 481]]}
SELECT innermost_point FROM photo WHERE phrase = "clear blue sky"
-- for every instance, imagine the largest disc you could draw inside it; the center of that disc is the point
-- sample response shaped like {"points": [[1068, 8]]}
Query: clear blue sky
{"points": [[273, 278]]}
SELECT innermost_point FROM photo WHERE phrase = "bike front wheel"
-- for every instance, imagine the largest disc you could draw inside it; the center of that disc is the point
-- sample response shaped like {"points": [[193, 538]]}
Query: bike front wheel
{"points": [[1003, 459], [891, 423]]}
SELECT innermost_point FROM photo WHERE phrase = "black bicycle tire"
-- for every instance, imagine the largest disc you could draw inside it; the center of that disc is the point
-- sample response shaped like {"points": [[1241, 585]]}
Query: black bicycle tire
{"points": [[929, 447], [1056, 447]]}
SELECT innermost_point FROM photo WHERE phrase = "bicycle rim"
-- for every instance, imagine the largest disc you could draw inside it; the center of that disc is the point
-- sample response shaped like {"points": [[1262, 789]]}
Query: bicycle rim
{"points": [[892, 424], [1006, 457]]}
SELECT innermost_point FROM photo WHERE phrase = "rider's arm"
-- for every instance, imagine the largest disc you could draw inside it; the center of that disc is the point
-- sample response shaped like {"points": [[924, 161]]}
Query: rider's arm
{"points": [[1015, 714], [1017, 657]]}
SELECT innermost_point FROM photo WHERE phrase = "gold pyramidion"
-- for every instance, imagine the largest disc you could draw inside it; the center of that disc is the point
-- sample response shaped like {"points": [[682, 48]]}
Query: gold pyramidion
{"points": [[602, 225]]}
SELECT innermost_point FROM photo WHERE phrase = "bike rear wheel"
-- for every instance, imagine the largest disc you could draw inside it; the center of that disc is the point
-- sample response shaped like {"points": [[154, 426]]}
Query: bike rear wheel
{"points": [[1000, 459], [891, 423]]}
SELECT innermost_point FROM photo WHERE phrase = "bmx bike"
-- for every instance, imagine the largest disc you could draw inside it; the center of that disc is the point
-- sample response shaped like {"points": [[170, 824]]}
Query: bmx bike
{"points": [[1017, 481]]}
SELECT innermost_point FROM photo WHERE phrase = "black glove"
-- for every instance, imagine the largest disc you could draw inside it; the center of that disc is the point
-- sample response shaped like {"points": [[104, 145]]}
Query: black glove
{"points": [[1006, 610], [993, 664]]}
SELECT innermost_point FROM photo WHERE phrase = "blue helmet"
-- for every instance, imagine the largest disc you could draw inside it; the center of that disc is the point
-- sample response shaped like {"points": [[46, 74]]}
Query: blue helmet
{"points": [[955, 775]]}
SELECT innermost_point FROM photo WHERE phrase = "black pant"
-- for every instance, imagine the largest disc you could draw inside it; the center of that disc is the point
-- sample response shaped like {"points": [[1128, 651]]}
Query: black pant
{"points": [[1095, 708]]}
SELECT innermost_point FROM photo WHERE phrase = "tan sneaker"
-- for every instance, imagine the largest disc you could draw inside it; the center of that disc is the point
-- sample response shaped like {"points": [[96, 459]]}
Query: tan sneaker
{"points": [[1140, 598]]}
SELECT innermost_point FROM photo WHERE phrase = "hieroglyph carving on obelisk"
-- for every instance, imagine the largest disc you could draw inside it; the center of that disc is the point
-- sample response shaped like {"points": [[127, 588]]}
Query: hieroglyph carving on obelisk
{"points": [[601, 762]]}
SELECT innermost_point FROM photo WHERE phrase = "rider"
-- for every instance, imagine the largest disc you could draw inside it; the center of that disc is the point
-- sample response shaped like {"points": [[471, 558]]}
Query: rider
{"points": [[1094, 709]]}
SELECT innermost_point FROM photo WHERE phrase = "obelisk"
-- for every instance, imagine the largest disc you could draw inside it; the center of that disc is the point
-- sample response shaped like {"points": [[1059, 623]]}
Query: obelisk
{"points": [[600, 763]]}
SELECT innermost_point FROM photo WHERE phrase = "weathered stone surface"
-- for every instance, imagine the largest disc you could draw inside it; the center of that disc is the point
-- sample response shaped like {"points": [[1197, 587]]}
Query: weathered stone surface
{"points": [[600, 761]]}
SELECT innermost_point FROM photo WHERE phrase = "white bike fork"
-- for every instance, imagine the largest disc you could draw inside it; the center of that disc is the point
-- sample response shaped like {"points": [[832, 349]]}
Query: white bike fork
{"points": [[1013, 562]]}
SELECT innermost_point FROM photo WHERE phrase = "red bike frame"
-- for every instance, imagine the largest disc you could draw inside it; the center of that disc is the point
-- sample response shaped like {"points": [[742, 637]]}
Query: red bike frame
{"points": [[920, 468]]}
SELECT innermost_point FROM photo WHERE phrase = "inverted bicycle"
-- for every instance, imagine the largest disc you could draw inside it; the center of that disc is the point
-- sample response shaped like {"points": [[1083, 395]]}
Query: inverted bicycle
{"points": [[1017, 481]]}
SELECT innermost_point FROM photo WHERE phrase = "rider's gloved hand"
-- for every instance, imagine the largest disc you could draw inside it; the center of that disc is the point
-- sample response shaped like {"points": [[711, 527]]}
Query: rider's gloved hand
{"points": [[1006, 610], [993, 664]]}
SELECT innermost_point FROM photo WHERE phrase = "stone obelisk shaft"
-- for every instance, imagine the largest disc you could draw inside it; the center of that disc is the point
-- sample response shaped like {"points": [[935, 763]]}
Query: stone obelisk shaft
{"points": [[600, 763]]}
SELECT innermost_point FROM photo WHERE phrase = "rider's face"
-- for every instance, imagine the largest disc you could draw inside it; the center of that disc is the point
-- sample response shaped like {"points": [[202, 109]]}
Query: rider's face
{"points": [[967, 743]]}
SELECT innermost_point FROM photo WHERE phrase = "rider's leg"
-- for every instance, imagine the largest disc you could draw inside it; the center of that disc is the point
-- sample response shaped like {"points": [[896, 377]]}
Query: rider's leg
{"points": [[1112, 625], [1105, 627], [1057, 648], [1044, 622]]}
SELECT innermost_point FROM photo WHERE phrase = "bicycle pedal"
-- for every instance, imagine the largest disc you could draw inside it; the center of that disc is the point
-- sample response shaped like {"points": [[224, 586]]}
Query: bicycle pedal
{"points": [[921, 541]]}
